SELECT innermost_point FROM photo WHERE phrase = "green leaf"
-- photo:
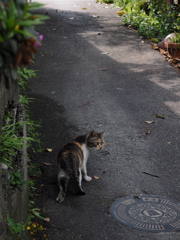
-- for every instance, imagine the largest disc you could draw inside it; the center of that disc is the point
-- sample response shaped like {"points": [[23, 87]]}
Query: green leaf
{"points": [[34, 5], [29, 22], [9, 35], [1, 39], [26, 23], [31, 31], [25, 33], [160, 116], [3, 15], [10, 22], [42, 17], [3, 24], [154, 40], [12, 9], [37, 214]]}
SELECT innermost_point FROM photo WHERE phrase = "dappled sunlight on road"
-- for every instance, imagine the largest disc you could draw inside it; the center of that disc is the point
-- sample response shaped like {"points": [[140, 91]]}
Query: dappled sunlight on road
{"points": [[174, 106]]}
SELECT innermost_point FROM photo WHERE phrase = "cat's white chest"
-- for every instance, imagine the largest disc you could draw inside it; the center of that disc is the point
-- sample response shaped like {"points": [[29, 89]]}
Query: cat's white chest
{"points": [[85, 152]]}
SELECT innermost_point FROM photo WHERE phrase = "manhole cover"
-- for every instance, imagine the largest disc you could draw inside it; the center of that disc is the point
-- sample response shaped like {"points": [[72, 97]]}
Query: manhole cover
{"points": [[147, 213]]}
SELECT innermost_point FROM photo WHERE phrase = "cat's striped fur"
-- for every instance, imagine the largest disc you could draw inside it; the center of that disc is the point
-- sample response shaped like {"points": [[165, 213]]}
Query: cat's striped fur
{"points": [[72, 161]]}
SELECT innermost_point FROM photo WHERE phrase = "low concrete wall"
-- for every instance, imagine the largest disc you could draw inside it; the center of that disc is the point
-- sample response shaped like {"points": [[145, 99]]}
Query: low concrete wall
{"points": [[12, 201], [9, 94]]}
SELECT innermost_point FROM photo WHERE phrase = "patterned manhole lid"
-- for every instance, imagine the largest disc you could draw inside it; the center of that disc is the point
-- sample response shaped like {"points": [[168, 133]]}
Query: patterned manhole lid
{"points": [[147, 213]]}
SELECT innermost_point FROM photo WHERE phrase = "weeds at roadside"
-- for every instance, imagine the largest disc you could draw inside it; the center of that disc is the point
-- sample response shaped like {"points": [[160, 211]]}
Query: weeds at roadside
{"points": [[12, 142], [16, 179], [15, 230]]}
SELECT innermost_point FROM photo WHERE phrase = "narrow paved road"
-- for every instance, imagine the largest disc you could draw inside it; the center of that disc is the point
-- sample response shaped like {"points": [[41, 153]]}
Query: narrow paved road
{"points": [[96, 74]]}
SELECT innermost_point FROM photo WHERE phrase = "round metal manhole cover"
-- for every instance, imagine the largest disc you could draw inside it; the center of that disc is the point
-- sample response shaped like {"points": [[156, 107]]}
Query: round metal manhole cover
{"points": [[148, 213]]}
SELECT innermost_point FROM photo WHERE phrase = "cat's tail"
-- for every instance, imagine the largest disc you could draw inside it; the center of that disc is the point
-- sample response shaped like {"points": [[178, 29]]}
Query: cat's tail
{"points": [[81, 192]]}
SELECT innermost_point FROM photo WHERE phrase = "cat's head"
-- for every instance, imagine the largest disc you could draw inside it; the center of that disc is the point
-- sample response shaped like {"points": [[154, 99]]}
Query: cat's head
{"points": [[95, 140]]}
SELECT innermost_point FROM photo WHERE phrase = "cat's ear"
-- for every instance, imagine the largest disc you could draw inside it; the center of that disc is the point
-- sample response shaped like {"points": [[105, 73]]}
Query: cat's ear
{"points": [[102, 134], [92, 134]]}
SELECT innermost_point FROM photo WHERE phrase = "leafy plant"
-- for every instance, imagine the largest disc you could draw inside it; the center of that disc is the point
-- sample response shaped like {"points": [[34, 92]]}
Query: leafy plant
{"points": [[17, 33], [34, 212], [15, 230], [150, 18], [16, 179], [33, 169], [176, 38], [11, 142], [134, 6], [149, 28], [122, 3], [31, 188], [23, 75]]}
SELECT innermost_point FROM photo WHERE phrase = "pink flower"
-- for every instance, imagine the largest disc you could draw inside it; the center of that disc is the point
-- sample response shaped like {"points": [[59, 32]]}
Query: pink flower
{"points": [[40, 38]]}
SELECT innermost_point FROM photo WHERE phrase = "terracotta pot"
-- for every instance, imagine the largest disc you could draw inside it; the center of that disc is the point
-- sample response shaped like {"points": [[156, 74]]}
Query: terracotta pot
{"points": [[172, 48]]}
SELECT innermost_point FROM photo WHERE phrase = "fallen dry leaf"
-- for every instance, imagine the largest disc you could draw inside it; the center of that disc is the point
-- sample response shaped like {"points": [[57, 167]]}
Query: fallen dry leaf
{"points": [[155, 47], [48, 149], [96, 177], [37, 195], [104, 69], [120, 13], [47, 164], [104, 53], [84, 8], [47, 219], [163, 52], [149, 122]]}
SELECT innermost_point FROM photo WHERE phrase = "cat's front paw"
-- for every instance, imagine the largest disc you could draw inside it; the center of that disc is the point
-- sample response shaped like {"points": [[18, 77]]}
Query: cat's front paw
{"points": [[87, 178]]}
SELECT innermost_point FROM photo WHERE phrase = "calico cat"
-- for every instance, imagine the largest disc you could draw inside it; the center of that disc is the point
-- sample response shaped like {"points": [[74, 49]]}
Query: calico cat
{"points": [[72, 161]]}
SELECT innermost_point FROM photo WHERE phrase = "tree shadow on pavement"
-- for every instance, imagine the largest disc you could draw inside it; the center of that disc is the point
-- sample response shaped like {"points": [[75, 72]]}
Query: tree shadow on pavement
{"points": [[74, 95]]}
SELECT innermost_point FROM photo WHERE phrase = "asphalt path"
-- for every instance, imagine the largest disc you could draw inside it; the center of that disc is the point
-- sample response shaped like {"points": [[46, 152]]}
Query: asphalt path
{"points": [[94, 73]]}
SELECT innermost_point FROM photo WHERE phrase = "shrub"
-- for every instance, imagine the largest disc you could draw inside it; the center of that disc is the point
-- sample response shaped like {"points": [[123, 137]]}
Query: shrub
{"points": [[151, 18]]}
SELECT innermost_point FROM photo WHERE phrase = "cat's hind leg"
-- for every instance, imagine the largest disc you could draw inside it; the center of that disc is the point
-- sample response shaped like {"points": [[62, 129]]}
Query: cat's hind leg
{"points": [[63, 180]]}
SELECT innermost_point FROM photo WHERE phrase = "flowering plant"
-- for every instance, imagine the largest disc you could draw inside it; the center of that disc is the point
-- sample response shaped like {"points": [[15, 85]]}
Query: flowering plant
{"points": [[18, 38]]}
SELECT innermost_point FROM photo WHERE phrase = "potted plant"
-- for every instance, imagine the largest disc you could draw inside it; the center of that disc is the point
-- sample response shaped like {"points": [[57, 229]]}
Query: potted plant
{"points": [[172, 44]]}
